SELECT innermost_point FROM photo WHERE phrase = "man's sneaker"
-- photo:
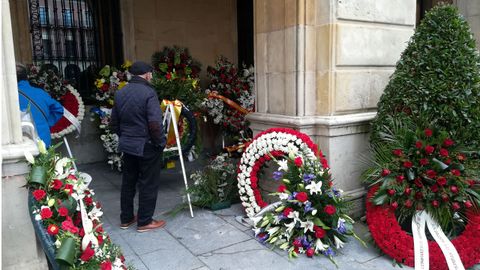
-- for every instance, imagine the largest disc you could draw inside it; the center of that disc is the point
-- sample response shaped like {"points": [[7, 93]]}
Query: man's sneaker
{"points": [[125, 226], [155, 224]]}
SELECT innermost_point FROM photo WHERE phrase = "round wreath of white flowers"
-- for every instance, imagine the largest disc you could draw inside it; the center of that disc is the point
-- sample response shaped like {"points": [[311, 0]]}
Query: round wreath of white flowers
{"points": [[79, 116], [275, 142]]}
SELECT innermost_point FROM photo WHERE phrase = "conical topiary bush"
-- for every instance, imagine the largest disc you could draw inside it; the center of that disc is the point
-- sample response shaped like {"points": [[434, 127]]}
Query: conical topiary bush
{"points": [[436, 79]]}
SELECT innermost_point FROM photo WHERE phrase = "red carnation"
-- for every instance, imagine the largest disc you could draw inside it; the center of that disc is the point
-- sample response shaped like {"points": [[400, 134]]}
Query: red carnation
{"points": [[302, 196], [106, 265], [391, 192], [52, 229], [455, 206], [444, 152], [71, 176], [397, 152], [431, 173], [87, 254], [310, 252], [429, 149], [385, 172], [419, 195], [408, 203], [298, 161], [407, 164], [100, 239], [407, 191], [39, 194], [461, 157], [435, 203], [63, 211], [330, 209], [57, 184], [105, 87], [46, 213], [442, 181], [434, 188], [418, 182], [428, 132], [168, 76], [447, 161], [471, 182], [400, 178], [468, 204], [454, 189], [287, 211], [419, 145], [88, 201], [423, 161], [319, 232], [445, 197], [282, 188], [448, 142], [394, 205], [455, 172], [297, 243]]}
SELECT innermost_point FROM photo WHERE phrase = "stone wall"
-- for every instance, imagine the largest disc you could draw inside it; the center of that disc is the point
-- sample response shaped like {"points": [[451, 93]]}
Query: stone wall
{"points": [[206, 28], [471, 11]]}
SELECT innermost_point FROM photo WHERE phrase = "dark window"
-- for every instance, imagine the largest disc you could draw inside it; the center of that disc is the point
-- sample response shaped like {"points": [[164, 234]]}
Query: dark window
{"points": [[425, 5], [43, 16], [67, 18]]}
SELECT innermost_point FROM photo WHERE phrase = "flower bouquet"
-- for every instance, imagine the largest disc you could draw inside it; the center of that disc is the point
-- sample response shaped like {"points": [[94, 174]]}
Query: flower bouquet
{"points": [[64, 206], [311, 216]]}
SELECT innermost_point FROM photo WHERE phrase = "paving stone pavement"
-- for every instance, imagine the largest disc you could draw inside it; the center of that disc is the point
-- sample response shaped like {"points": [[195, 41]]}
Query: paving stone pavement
{"points": [[210, 240]]}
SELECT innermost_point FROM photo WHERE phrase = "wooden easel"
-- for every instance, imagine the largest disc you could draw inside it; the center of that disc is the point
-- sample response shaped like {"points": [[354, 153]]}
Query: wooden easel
{"points": [[168, 117]]}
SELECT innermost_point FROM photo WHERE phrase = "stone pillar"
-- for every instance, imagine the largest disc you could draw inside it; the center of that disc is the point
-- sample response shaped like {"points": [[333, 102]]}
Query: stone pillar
{"points": [[321, 66], [471, 11], [19, 248]]}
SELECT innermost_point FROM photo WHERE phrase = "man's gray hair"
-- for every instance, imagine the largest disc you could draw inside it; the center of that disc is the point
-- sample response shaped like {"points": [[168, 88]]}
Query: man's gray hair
{"points": [[21, 72]]}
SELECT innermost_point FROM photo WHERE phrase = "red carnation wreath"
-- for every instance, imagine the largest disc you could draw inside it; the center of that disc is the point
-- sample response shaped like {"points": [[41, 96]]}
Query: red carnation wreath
{"points": [[272, 142], [72, 102], [395, 242]]}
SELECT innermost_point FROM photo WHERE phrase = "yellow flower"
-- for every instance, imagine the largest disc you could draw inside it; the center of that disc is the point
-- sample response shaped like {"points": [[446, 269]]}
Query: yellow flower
{"points": [[98, 83], [127, 64], [121, 85], [194, 83], [110, 101]]}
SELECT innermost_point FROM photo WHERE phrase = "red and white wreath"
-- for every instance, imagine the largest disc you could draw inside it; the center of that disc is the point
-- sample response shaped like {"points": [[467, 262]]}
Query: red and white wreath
{"points": [[272, 142], [72, 102]]}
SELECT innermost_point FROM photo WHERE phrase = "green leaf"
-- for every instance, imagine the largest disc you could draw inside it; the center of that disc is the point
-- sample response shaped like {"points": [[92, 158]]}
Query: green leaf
{"points": [[320, 223], [105, 71], [163, 67], [379, 199]]}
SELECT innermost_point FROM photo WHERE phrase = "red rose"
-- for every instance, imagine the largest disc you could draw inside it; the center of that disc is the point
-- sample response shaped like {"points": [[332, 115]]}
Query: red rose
{"points": [[46, 213], [71, 176], [298, 161], [455, 206], [99, 229], [100, 239], [52, 229], [454, 189], [419, 195], [87, 254], [394, 205], [88, 201], [319, 232], [442, 181], [105, 87], [419, 145], [435, 203], [428, 132], [471, 182], [429, 149], [431, 173], [448, 142], [407, 164], [408, 203], [385, 172], [282, 188], [287, 211], [391, 192], [168, 76], [468, 204], [397, 152], [400, 178], [447, 161], [310, 252], [423, 161], [297, 243], [57, 184], [68, 189], [330, 209], [445, 197], [407, 191], [302, 196], [434, 188], [455, 172], [106, 265], [444, 152], [461, 157], [39, 194], [63, 211], [418, 182]]}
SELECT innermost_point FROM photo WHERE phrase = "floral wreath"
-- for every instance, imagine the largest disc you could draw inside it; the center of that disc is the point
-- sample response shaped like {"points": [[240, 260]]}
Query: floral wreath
{"points": [[73, 103], [395, 242], [272, 142]]}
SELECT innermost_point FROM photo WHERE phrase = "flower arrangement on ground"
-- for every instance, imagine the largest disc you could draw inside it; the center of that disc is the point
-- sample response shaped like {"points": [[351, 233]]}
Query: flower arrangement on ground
{"points": [[215, 183], [64, 93], [230, 95], [310, 216], [65, 205], [110, 80]]}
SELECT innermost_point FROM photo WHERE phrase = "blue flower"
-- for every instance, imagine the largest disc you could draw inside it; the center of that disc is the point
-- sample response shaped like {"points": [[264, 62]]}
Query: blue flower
{"points": [[305, 243], [262, 237], [308, 207], [308, 177], [341, 227], [336, 192], [329, 252], [277, 175]]}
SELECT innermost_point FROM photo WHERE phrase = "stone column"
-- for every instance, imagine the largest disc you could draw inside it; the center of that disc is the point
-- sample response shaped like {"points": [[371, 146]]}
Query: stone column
{"points": [[19, 248], [471, 11], [321, 66]]}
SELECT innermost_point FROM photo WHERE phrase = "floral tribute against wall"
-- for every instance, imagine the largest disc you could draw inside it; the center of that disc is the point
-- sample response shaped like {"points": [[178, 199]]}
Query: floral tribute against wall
{"points": [[64, 206], [230, 95], [109, 81], [64, 93], [310, 217]]}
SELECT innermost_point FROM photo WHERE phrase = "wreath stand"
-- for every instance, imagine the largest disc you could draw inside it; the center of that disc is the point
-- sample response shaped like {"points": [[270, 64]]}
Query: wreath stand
{"points": [[169, 116]]}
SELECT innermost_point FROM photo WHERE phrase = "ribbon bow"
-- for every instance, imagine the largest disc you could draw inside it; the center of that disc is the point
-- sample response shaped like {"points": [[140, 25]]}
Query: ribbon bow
{"points": [[229, 102], [177, 109]]}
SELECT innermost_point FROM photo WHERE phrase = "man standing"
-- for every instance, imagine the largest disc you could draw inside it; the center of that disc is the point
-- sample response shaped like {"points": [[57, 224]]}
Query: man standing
{"points": [[137, 120], [45, 110]]}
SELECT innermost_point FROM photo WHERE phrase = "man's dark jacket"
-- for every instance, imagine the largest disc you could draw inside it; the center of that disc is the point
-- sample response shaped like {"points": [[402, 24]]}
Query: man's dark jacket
{"points": [[137, 117]]}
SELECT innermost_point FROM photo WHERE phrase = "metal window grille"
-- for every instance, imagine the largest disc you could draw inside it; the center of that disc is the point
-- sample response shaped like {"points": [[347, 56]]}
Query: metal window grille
{"points": [[63, 35]]}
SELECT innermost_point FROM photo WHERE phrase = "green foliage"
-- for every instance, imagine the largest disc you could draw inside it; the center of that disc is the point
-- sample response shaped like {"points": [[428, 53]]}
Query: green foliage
{"points": [[437, 78]]}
